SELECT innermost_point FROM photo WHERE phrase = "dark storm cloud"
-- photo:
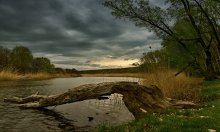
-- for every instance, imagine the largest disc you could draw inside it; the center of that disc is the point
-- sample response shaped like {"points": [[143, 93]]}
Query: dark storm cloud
{"points": [[82, 29]]}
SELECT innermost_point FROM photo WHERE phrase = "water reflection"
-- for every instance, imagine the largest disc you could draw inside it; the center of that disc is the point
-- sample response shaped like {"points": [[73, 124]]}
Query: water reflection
{"points": [[61, 118], [64, 123]]}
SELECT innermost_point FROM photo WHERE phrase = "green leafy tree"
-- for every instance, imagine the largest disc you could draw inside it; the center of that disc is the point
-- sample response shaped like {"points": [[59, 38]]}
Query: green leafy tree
{"points": [[178, 57], [200, 14], [42, 64], [21, 59], [4, 58], [154, 60], [72, 71]]}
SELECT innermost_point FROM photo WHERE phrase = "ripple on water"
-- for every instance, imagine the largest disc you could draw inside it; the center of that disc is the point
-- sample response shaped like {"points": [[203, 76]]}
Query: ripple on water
{"points": [[64, 117]]}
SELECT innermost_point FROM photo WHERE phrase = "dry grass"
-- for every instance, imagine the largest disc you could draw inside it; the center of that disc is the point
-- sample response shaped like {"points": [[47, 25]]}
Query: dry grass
{"points": [[180, 87], [8, 75], [38, 76]]}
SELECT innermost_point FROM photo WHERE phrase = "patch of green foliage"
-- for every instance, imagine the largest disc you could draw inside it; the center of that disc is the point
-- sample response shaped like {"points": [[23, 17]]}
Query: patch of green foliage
{"points": [[20, 59], [191, 120], [210, 91]]}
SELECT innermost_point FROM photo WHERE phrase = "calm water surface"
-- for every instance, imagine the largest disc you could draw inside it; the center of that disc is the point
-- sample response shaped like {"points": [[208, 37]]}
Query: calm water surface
{"points": [[67, 117]]}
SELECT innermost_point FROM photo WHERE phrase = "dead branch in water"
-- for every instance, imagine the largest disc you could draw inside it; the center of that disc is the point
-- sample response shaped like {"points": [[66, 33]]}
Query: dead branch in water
{"points": [[138, 98]]}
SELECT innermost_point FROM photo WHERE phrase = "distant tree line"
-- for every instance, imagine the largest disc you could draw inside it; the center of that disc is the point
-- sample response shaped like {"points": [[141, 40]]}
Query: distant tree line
{"points": [[66, 71], [116, 70], [21, 59]]}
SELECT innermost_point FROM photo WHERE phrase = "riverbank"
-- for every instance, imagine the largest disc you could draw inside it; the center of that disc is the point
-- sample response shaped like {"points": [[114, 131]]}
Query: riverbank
{"points": [[204, 118], [8, 75], [69, 117], [138, 75], [180, 87]]}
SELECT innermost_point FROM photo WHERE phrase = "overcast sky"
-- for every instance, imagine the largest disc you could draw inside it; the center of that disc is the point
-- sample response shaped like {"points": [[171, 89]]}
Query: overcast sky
{"points": [[79, 34]]}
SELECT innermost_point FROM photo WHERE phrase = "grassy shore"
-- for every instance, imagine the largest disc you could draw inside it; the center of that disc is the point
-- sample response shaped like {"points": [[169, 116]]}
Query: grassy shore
{"points": [[206, 94], [202, 119], [9, 75]]}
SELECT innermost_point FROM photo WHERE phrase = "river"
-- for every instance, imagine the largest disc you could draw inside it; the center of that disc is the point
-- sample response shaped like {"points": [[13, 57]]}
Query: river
{"points": [[79, 116]]}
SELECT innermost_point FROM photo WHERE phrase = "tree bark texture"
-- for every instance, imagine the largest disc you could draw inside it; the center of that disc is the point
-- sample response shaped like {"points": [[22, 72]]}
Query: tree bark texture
{"points": [[139, 99]]}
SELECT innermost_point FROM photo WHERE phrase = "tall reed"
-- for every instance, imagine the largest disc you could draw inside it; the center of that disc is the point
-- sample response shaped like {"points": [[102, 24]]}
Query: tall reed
{"points": [[10, 74], [180, 87]]}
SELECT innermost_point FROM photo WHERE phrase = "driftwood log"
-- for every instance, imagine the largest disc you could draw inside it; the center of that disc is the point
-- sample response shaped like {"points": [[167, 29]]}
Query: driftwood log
{"points": [[139, 99]]}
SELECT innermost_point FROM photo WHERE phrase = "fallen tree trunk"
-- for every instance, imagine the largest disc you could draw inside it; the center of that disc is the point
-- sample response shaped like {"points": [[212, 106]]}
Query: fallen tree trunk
{"points": [[138, 99]]}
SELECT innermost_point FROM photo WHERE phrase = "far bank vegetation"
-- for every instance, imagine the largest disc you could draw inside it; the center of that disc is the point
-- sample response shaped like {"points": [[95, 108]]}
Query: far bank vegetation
{"points": [[19, 64]]}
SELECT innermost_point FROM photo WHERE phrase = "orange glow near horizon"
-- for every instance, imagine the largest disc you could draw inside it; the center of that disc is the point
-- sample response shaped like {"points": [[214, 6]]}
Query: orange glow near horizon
{"points": [[115, 62]]}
